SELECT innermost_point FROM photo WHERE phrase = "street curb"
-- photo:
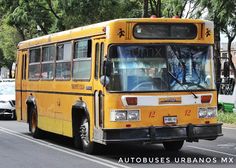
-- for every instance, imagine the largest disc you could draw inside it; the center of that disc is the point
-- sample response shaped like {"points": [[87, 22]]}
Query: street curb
{"points": [[226, 125]]}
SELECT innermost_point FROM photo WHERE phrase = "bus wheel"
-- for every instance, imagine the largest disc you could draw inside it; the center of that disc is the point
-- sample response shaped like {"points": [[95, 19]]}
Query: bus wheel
{"points": [[173, 145], [33, 124], [88, 146]]}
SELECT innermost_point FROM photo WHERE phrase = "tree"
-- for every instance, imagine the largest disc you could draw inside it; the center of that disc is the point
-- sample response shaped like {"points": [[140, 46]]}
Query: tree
{"points": [[9, 39], [222, 12], [228, 15], [151, 7], [145, 9], [213, 11], [1, 58], [32, 18], [174, 7], [78, 13]]}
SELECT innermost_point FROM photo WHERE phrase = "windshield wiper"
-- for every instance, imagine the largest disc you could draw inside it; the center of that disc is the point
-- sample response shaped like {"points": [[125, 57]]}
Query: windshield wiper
{"points": [[195, 96]]}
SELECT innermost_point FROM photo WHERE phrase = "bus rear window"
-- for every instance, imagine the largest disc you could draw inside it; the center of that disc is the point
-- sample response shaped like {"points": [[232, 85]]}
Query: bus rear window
{"points": [[165, 31]]}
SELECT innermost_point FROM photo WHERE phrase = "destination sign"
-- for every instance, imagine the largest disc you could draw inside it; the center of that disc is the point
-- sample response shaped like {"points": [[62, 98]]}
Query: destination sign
{"points": [[138, 51]]}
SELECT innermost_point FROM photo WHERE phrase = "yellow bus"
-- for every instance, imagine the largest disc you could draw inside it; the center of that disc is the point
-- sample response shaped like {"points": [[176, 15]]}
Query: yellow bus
{"points": [[144, 80]]}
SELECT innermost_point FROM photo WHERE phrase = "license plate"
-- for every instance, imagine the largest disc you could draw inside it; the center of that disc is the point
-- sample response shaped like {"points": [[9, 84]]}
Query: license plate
{"points": [[170, 120]]}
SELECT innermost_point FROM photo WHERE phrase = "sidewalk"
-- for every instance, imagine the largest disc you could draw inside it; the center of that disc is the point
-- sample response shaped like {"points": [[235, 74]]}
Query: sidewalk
{"points": [[229, 125]]}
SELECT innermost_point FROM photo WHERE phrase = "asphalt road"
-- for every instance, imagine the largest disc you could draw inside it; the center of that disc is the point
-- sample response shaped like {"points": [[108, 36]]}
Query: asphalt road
{"points": [[19, 150]]}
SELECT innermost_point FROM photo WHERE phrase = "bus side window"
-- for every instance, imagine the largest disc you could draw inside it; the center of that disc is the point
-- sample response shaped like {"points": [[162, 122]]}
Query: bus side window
{"points": [[82, 60], [48, 62], [34, 63], [63, 61]]}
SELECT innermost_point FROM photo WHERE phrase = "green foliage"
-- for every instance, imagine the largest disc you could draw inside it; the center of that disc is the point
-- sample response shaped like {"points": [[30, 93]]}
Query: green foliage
{"points": [[56, 15], [8, 42], [173, 7], [229, 118], [78, 13]]}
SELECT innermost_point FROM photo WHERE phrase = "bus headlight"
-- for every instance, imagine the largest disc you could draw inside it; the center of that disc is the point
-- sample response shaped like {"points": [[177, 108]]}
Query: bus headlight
{"points": [[118, 115], [209, 112], [125, 115], [133, 115], [202, 112]]}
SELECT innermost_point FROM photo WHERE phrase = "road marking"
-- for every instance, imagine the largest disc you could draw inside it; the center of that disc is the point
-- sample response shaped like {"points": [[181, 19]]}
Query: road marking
{"points": [[78, 154], [210, 150], [227, 145]]}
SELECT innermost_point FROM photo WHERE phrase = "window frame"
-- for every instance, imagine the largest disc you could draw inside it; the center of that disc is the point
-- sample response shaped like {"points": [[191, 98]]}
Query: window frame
{"points": [[35, 63], [89, 51], [49, 62], [63, 61]]}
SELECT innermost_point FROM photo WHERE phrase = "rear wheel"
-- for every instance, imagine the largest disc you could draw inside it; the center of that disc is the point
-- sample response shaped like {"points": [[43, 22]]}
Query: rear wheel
{"points": [[33, 124], [173, 145]]}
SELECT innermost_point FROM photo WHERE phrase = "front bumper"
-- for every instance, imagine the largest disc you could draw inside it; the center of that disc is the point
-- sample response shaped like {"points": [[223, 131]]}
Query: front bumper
{"points": [[162, 134], [7, 112]]}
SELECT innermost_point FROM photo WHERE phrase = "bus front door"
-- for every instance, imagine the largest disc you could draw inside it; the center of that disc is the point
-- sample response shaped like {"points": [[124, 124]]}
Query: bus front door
{"points": [[21, 85], [99, 50]]}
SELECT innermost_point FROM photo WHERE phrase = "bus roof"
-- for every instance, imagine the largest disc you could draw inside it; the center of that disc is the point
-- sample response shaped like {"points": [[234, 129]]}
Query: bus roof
{"points": [[93, 30]]}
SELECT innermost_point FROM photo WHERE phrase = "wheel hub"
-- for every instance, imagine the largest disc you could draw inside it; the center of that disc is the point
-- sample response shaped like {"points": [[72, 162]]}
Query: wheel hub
{"points": [[84, 133]]}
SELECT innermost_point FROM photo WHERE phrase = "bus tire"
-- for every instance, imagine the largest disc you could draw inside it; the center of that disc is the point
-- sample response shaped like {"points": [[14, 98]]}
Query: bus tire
{"points": [[173, 145], [88, 146], [77, 142], [33, 123]]}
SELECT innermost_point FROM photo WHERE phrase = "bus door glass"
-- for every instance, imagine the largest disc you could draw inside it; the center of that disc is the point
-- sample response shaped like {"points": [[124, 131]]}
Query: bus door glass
{"points": [[98, 87], [23, 83]]}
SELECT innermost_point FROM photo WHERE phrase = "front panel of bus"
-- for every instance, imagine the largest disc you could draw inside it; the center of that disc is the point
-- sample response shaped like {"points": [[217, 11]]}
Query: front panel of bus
{"points": [[161, 83]]}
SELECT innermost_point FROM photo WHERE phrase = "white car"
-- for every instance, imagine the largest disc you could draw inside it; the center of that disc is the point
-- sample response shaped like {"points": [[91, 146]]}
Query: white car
{"points": [[7, 100]]}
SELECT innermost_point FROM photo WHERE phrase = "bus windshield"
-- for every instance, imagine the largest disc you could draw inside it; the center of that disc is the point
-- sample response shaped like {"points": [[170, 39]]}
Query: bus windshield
{"points": [[169, 67]]}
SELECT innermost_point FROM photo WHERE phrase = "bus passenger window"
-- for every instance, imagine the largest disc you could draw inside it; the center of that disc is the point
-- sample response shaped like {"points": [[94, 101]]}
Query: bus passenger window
{"points": [[34, 64], [63, 61], [82, 60], [48, 62]]}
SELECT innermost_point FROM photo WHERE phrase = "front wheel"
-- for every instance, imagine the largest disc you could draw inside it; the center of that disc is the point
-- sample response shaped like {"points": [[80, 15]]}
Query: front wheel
{"points": [[173, 145], [88, 146]]}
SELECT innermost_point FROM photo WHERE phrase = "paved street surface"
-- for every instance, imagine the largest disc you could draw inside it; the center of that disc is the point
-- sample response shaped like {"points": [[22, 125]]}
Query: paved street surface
{"points": [[19, 150]]}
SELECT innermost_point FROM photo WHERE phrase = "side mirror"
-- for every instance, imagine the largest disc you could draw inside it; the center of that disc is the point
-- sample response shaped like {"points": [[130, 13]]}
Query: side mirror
{"points": [[107, 65], [226, 69], [105, 80]]}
